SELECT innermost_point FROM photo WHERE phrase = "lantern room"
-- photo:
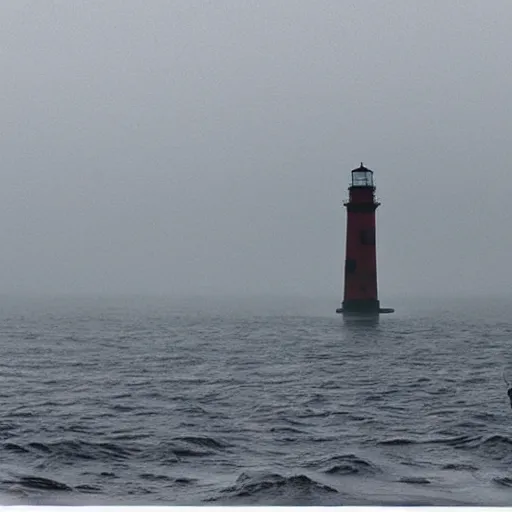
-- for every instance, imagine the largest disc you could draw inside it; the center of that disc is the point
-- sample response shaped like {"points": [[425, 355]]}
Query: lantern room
{"points": [[362, 177]]}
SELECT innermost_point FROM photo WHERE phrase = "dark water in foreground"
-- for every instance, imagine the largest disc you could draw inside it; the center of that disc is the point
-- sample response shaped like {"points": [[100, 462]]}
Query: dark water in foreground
{"points": [[159, 402]]}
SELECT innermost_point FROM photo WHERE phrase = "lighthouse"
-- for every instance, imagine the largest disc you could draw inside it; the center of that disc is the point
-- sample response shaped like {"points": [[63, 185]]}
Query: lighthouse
{"points": [[360, 294]]}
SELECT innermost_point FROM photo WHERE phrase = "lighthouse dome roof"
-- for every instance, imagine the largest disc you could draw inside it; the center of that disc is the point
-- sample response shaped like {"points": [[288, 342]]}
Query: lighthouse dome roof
{"points": [[362, 168]]}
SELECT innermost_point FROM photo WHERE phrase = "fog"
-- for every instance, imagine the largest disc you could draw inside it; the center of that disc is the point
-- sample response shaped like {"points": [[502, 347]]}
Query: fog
{"points": [[204, 147]]}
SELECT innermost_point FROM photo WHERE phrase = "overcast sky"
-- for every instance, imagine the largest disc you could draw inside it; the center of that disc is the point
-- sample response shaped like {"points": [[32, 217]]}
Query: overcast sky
{"points": [[199, 147]]}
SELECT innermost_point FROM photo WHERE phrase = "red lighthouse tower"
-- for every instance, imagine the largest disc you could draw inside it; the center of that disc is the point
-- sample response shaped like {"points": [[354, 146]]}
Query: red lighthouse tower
{"points": [[360, 293]]}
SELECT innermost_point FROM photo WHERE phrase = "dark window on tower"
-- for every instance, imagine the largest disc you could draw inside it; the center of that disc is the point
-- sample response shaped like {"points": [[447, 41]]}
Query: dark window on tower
{"points": [[367, 236], [350, 266]]}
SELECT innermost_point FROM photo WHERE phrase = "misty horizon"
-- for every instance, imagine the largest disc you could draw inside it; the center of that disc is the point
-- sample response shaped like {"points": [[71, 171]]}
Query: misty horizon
{"points": [[194, 149]]}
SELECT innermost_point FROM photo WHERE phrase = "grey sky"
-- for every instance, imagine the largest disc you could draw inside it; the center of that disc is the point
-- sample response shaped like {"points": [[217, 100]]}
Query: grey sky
{"points": [[205, 146]]}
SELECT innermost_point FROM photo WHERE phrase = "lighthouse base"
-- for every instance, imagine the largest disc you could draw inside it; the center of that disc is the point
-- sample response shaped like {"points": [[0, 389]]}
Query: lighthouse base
{"points": [[363, 307]]}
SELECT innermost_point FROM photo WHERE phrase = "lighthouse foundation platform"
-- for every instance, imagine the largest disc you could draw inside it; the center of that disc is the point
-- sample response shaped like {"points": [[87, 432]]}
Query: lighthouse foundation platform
{"points": [[363, 307], [379, 311]]}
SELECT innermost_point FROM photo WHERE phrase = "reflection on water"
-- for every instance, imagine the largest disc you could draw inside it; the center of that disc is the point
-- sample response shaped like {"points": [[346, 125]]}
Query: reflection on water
{"points": [[361, 321]]}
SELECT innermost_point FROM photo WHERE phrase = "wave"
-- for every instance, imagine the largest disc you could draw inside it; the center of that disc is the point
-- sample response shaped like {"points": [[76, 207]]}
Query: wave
{"points": [[88, 488], [455, 441], [287, 430], [398, 441], [459, 466], [13, 447], [415, 480], [504, 481], [349, 464], [71, 450], [208, 442], [185, 446], [39, 483], [494, 446], [274, 488], [165, 478]]}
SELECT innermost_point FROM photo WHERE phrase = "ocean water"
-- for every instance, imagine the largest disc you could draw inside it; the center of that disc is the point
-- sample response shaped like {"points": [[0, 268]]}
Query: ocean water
{"points": [[255, 402]]}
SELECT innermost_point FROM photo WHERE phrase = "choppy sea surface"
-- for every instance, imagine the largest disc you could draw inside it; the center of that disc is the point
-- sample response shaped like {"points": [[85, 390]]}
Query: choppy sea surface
{"points": [[254, 402]]}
